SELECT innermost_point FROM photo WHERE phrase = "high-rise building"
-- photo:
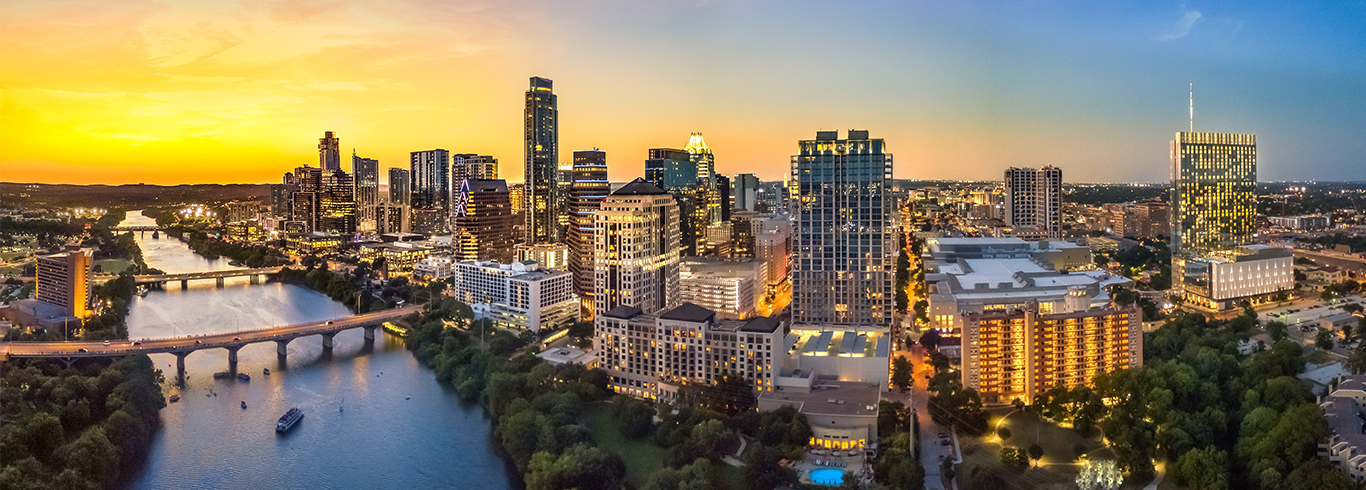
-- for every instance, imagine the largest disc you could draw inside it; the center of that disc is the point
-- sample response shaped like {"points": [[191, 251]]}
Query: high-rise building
{"points": [[549, 255], [543, 204], [392, 218], [1214, 191], [709, 202], [746, 190], [471, 166], [306, 203], [676, 173], [280, 195], [337, 203], [64, 279], [400, 187], [481, 221], [724, 196], [1034, 200], [365, 173], [329, 152], [842, 276], [636, 250], [431, 191], [589, 189]]}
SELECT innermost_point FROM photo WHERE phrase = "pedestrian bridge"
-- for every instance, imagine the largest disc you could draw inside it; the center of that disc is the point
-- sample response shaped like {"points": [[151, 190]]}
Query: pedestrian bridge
{"points": [[184, 346], [185, 278]]}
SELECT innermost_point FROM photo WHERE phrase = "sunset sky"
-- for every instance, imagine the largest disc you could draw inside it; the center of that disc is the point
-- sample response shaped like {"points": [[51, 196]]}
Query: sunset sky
{"points": [[173, 92]]}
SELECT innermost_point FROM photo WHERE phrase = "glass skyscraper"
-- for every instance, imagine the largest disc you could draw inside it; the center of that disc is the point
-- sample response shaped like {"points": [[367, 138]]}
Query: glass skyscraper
{"points": [[846, 251], [543, 203], [589, 188], [431, 190], [329, 152], [1214, 191], [365, 172]]}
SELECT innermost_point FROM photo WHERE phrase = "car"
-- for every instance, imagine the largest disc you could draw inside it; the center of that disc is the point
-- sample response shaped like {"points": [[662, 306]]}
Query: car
{"points": [[945, 442], [237, 338], [198, 342], [106, 342], [329, 322], [82, 349], [943, 435], [137, 342]]}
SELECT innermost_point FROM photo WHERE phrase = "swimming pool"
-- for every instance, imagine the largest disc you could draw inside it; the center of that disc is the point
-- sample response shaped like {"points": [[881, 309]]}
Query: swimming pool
{"points": [[827, 476]]}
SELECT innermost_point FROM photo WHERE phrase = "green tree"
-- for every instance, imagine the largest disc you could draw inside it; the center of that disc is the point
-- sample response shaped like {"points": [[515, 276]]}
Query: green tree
{"points": [[1277, 330], [763, 470], [94, 457], [1035, 452], [583, 467], [1324, 339], [710, 438], [1004, 433], [930, 339], [902, 371], [1014, 458]]}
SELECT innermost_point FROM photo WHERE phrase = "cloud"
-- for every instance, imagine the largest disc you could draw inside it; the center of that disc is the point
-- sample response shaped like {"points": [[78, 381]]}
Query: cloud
{"points": [[1182, 27]]}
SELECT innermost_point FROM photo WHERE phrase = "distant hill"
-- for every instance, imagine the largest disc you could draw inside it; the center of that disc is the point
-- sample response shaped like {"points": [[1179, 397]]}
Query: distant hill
{"points": [[129, 195]]}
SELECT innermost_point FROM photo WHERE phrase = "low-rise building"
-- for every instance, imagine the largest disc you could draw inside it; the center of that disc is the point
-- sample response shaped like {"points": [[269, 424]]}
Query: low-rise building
{"points": [[1221, 280], [1003, 284], [519, 295], [1346, 444], [569, 355], [314, 243], [1302, 223], [399, 258], [433, 268], [725, 286], [842, 414], [548, 255]]}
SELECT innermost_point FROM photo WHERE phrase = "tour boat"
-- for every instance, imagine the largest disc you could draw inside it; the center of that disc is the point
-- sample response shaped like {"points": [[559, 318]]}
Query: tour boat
{"points": [[288, 419]]}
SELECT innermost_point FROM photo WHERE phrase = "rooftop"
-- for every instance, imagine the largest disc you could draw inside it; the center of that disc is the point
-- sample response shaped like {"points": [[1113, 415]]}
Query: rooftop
{"points": [[688, 312], [830, 397], [639, 187], [623, 312]]}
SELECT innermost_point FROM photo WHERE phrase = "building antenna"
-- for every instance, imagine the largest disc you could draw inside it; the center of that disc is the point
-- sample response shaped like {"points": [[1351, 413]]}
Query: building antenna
{"points": [[1192, 88]]}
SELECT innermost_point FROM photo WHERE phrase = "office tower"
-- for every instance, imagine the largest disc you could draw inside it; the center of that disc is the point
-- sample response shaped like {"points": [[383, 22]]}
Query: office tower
{"points": [[431, 191], [329, 152], [481, 221], [724, 197], [1214, 191], [676, 173], [392, 218], [1034, 201], [400, 187], [709, 203], [471, 166], [589, 188], [365, 173], [337, 203], [635, 249], [306, 203], [746, 190], [518, 192], [63, 280], [517, 295], [1019, 353], [542, 164], [743, 228], [846, 252], [280, 195]]}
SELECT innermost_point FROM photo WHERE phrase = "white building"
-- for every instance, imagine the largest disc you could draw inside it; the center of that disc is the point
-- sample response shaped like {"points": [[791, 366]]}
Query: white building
{"points": [[1221, 280], [518, 295], [434, 268], [730, 287], [1034, 200], [549, 255], [636, 250], [999, 284]]}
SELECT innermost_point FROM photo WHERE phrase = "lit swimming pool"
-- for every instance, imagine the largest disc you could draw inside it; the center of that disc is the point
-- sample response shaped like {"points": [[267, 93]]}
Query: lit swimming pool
{"points": [[827, 476]]}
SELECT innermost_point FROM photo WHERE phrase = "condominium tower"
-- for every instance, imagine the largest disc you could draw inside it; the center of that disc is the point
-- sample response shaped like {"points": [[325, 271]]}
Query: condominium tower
{"points": [[471, 166], [430, 190], [400, 187], [481, 221], [675, 171], [589, 189], [842, 275], [365, 175], [541, 124], [1034, 201], [636, 250], [1214, 186], [329, 152]]}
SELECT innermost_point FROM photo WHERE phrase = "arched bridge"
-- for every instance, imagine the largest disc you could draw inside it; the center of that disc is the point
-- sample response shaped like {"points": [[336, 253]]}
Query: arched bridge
{"points": [[183, 346]]}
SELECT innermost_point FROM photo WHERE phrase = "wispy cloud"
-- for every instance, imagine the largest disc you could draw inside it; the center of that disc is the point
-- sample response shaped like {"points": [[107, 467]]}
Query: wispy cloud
{"points": [[1182, 26]]}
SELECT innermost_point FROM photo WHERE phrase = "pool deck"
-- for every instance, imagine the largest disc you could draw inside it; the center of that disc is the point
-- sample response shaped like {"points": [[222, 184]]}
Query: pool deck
{"points": [[857, 464]]}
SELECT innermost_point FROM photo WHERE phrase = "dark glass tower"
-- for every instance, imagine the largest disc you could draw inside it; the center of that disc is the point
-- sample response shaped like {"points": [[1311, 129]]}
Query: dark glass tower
{"points": [[589, 188], [543, 204]]}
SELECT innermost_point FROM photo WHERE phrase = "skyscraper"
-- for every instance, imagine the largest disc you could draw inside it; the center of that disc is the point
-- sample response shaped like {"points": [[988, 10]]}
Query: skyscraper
{"points": [[1034, 200], [675, 171], [481, 221], [746, 191], [431, 191], [723, 193], [635, 249], [586, 195], [842, 276], [471, 166], [709, 205], [306, 203], [400, 187], [337, 203], [365, 174], [543, 205], [1214, 190], [329, 152]]}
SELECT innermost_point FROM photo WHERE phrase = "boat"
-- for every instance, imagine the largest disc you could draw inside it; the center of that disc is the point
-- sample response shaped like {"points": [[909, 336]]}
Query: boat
{"points": [[266, 371], [243, 377], [221, 375], [244, 404], [288, 419], [395, 329], [175, 398], [143, 292], [156, 235]]}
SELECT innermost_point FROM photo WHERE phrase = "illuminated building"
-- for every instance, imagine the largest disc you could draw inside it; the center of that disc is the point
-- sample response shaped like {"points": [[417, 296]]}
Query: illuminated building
{"points": [[589, 189], [1034, 200], [1021, 352], [280, 197], [392, 218], [548, 255], [676, 172], [481, 221], [245, 231], [63, 280], [241, 211], [518, 295], [365, 173], [400, 258], [729, 287], [400, 187], [635, 250], [306, 202], [471, 166], [651, 356], [433, 268], [431, 191], [329, 152], [745, 187], [772, 246], [742, 232], [542, 143], [844, 240], [1219, 280], [708, 198], [1214, 191], [1318, 222], [337, 203], [315, 243]]}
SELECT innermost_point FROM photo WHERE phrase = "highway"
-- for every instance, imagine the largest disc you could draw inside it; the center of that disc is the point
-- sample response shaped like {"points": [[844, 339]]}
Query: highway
{"points": [[184, 345]]}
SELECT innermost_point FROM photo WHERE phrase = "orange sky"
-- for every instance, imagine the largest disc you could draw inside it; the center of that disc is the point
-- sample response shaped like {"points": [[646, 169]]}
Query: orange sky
{"points": [[239, 91]]}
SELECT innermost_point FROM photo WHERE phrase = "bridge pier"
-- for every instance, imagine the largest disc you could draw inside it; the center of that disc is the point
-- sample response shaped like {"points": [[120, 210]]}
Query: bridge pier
{"points": [[327, 340], [281, 347], [370, 333], [255, 279], [232, 358], [220, 283], [184, 284], [69, 361], [180, 366]]}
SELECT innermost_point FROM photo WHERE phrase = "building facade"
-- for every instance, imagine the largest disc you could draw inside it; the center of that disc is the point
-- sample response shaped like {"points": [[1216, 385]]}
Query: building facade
{"points": [[589, 189], [430, 201], [636, 250], [481, 221], [519, 295], [400, 187], [548, 255], [541, 127], [1222, 279], [1214, 191], [471, 166], [329, 152], [675, 171], [1034, 199], [845, 247], [64, 280], [365, 174], [731, 288]]}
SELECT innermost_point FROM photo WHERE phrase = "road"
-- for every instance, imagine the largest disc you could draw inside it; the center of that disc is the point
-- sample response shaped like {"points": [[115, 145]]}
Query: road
{"points": [[932, 449], [188, 344], [1342, 261]]}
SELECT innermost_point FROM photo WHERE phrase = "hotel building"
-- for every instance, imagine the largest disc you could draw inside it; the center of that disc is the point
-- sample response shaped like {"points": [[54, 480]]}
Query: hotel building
{"points": [[519, 295], [636, 250], [64, 279]]}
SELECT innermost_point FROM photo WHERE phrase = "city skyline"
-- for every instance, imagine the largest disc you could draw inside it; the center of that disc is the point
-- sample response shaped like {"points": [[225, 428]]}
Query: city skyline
{"points": [[957, 91]]}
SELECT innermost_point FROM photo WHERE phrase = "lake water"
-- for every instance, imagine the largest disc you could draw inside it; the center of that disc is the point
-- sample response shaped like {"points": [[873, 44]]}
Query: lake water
{"points": [[399, 428]]}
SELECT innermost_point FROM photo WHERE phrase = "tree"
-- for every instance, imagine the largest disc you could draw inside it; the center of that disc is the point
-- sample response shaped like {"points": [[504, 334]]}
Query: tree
{"points": [[1014, 458], [930, 339], [583, 467], [1347, 333], [902, 371], [1099, 475], [1035, 451], [1277, 330], [763, 470], [1324, 339], [1004, 433], [710, 438]]}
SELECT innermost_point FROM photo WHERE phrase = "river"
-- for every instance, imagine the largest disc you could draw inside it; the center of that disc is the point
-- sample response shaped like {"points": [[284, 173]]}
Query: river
{"points": [[398, 429]]}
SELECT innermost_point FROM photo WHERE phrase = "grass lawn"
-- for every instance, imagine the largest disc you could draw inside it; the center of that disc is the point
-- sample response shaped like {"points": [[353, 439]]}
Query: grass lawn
{"points": [[113, 266], [1057, 470], [642, 456]]}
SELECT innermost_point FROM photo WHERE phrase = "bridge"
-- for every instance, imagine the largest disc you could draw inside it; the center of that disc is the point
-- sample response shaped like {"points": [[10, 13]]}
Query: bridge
{"points": [[69, 352], [186, 277], [136, 228]]}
